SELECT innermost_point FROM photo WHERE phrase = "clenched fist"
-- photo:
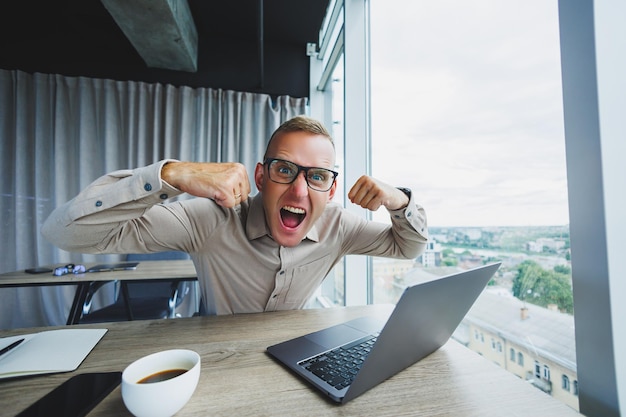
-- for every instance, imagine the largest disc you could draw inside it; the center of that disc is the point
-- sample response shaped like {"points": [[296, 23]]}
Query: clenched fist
{"points": [[371, 193], [225, 182]]}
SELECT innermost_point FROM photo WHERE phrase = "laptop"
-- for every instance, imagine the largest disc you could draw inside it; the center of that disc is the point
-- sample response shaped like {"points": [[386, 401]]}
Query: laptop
{"points": [[118, 266], [348, 359]]}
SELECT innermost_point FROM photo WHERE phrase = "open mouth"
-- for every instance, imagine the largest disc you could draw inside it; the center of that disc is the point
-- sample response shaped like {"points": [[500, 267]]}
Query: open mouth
{"points": [[292, 216]]}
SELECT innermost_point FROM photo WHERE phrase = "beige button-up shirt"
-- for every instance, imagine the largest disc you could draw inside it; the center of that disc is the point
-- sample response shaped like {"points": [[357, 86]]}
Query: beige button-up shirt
{"points": [[241, 269]]}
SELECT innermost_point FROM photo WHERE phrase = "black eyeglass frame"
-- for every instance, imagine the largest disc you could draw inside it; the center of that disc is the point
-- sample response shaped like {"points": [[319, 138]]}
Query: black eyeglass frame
{"points": [[269, 161]]}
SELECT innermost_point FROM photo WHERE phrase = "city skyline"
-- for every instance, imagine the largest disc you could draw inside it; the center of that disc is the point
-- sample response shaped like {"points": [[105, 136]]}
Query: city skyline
{"points": [[467, 109]]}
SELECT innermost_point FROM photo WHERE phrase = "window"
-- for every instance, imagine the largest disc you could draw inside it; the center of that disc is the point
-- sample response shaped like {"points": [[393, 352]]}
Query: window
{"points": [[565, 383], [542, 20], [327, 104], [537, 370], [339, 96], [333, 286], [453, 82], [546, 372]]}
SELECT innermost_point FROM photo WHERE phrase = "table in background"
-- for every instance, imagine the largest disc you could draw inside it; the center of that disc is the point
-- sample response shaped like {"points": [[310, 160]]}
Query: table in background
{"points": [[182, 270], [238, 378]]}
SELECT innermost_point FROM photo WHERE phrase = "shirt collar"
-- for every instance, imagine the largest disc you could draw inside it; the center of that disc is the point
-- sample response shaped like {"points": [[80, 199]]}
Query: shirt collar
{"points": [[256, 226]]}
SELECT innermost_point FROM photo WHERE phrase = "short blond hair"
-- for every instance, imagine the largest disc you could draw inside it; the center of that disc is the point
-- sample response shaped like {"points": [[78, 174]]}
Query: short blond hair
{"points": [[300, 124]]}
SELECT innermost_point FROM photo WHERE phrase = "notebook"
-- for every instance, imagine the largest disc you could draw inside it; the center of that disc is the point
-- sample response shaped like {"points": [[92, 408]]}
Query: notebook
{"points": [[47, 352], [119, 266], [422, 321]]}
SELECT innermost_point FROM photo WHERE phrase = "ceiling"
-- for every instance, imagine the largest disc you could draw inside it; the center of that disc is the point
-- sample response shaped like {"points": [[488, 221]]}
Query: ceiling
{"points": [[80, 38]]}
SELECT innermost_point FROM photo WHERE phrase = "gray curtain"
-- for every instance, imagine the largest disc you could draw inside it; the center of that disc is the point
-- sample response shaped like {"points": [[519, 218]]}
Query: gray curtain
{"points": [[61, 133]]}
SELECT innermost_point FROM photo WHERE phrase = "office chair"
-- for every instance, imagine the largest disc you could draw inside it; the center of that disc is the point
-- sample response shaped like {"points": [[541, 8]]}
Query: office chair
{"points": [[140, 300]]}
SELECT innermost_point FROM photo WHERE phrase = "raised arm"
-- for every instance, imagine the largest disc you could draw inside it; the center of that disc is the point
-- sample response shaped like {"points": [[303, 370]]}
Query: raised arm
{"points": [[227, 183], [408, 234], [121, 212]]}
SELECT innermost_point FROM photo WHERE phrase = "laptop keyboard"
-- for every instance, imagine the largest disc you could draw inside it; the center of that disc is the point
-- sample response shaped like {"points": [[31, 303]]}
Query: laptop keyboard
{"points": [[339, 366]]}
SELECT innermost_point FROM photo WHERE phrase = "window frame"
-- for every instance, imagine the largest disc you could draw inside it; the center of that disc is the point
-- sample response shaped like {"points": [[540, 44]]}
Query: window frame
{"points": [[593, 64], [335, 40]]}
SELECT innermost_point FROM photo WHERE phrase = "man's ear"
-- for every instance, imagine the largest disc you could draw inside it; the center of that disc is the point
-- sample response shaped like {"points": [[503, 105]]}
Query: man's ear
{"points": [[259, 173]]}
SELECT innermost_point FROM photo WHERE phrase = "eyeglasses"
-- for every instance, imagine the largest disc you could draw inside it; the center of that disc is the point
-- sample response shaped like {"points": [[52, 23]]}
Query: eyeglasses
{"points": [[286, 172], [69, 268]]}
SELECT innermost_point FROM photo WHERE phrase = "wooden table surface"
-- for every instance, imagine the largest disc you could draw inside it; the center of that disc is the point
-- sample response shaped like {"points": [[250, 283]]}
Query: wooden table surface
{"points": [[238, 378]]}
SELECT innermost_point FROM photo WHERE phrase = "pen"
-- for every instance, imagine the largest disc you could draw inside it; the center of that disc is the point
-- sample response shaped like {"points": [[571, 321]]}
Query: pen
{"points": [[11, 346]]}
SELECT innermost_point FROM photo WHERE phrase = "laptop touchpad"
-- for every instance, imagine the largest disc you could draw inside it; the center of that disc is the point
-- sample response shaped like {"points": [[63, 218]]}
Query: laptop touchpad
{"points": [[335, 336]]}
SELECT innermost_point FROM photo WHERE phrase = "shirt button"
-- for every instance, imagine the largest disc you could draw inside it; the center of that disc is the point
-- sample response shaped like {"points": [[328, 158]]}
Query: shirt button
{"points": [[275, 295], [282, 272], [397, 216], [98, 203], [147, 187], [409, 214], [163, 196]]}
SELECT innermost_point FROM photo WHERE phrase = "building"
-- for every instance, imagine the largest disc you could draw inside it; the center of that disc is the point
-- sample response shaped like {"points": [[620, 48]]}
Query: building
{"points": [[537, 344], [545, 245], [431, 255], [389, 279]]}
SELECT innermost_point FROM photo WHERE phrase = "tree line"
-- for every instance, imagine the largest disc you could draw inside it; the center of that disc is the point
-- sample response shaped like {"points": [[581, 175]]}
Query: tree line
{"points": [[543, 287]]}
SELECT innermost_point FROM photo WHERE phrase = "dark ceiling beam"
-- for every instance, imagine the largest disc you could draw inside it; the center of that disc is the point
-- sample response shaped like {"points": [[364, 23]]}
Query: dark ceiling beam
{"points": [[261, 45], [162, 31]]}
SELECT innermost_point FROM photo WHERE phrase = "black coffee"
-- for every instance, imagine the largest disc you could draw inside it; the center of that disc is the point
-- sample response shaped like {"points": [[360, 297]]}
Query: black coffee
{"points": [[162, 376]]}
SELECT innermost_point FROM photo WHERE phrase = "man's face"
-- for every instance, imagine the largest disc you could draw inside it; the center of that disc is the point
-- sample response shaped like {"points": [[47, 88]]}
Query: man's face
{"points": [[291, 210]]}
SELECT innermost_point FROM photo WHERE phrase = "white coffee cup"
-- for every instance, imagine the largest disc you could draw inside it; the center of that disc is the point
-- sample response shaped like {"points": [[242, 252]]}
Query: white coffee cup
{"points": [[166, 397]]}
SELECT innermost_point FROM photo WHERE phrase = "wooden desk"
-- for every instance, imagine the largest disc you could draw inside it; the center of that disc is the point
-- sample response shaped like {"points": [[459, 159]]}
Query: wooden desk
{"points": [[239, 379], [146, 271]]}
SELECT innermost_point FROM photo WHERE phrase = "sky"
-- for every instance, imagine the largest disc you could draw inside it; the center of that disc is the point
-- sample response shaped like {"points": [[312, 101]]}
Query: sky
{"points": [[467, 109]]}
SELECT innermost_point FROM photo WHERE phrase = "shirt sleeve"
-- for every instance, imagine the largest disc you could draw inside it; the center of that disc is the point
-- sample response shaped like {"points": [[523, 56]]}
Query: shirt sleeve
{"points": [[406, 237], [107, 216]]}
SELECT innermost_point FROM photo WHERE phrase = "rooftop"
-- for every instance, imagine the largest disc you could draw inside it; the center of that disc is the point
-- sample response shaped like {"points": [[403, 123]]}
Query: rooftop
{"points": [[548, 333]]}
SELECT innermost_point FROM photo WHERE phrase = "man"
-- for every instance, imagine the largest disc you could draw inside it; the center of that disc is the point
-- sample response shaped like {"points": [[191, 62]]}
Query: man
{"points": [[262, 253]]}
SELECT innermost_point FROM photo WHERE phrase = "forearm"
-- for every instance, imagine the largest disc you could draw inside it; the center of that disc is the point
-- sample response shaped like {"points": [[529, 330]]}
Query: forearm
{"points": [[409, 229], [226, 183], [406, 237]]}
